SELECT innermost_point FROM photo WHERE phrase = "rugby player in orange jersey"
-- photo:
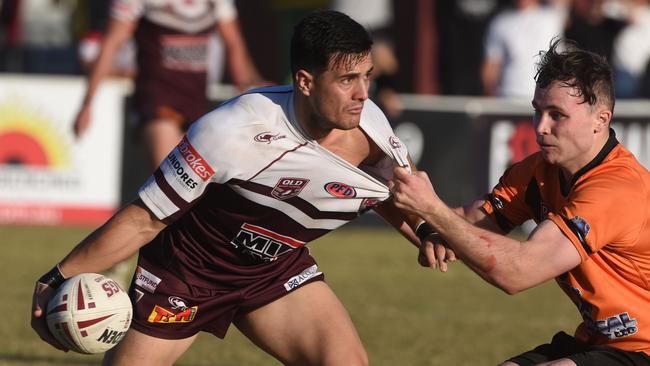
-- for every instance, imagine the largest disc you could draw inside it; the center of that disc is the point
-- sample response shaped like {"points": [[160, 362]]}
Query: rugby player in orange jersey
{"points": [[591, 200]]}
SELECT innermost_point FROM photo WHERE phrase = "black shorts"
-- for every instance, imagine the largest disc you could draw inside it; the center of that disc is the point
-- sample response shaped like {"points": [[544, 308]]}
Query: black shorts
{"points": [[566, 346], [166, 306]]}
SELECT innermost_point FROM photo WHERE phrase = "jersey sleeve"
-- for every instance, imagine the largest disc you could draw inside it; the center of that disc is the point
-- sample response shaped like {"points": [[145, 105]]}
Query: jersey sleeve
{"points": [[606, 209], [506, 204], [212, 152], [127, 10]]}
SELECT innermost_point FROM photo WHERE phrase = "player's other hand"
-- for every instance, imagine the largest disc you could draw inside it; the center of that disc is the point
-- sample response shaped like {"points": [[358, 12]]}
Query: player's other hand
{"points": [[42, 295], [82, 122], [435, 253], [412, 193]]}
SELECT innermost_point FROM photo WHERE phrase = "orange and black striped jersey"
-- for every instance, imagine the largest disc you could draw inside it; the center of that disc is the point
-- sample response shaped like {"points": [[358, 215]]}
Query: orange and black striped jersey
{"points": [[605, 212]]}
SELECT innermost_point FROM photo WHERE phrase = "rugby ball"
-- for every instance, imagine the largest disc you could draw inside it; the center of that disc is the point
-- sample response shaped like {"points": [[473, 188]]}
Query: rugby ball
{"points": [[89, 313]]}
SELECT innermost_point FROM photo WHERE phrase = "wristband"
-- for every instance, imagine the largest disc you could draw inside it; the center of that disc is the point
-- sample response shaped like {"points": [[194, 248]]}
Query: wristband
{"points": [[423, 230], [54, 278]]}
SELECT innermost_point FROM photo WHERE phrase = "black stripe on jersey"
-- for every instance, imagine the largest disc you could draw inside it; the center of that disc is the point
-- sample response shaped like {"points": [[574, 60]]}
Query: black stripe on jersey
{"points": [[502, 221], [578, 234], [534, 199], [168, 190], [297, 202]]}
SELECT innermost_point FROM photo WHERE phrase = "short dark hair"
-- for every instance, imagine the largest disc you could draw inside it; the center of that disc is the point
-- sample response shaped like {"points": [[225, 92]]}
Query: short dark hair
{"points": [[586, 71], [325, 34]]}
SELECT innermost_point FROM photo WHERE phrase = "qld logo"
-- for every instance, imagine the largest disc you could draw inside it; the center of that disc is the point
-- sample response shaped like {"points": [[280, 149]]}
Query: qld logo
{"points": [[288, 187], [340, 190], [268, 137]]}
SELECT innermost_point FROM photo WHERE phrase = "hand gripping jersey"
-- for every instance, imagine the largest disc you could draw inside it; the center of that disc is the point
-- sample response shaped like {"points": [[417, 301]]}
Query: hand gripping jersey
{"points": [[172, 40], [604, 211], [247, 185]]}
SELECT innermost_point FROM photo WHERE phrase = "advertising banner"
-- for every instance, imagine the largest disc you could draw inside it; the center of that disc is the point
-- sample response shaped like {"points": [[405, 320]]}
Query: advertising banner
{"points": [[47, 175]]}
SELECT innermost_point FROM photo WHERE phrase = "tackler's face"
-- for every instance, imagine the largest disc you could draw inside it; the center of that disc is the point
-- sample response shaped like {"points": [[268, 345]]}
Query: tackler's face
{"points": [[338, 93], [566, 126]]}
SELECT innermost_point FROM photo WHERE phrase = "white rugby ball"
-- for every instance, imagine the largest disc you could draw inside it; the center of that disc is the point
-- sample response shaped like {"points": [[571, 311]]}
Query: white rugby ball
{"points": [[89, 313]]}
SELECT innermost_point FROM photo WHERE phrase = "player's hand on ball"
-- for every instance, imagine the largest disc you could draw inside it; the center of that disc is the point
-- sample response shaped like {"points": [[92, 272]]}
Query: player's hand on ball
{"points": [[435, 253], [42, 295], [412, 192]]}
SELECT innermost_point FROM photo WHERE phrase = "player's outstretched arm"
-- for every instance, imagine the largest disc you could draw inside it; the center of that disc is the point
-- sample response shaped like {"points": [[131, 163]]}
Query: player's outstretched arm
{"points": [[118, 33], [121, 236], [502, 261]]}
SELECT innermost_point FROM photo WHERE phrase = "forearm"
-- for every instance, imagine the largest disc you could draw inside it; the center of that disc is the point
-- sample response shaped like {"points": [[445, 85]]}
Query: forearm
{"points": [[405, 224], [128, 230], [490, 255], [119, 32]]}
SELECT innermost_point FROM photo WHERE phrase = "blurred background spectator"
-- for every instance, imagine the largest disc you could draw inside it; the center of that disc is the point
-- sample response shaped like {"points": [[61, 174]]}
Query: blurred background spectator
{"points": [[463, 47], [592, 28], [461, 32], [632, 51], [514, 38]]}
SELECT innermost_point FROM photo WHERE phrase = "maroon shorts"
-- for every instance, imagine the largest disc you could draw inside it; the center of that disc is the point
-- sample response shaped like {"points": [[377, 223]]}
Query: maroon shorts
{"points": [[169, 307]]}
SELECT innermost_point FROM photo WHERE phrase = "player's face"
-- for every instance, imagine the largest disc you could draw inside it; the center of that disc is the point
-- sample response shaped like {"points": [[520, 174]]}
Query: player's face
{"points": [[566, 128], [339, 92]]}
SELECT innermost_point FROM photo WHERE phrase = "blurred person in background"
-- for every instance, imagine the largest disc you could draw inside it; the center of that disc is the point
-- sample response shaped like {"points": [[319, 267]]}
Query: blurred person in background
{"points": [[39, 36], [592, 28], [513, 40], [461, 32], [632, 51], [171, 38], [591, 199]]}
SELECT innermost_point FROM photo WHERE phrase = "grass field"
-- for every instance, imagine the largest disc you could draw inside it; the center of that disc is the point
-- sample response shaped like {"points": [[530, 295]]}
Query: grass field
{"points": [[405, 314]]}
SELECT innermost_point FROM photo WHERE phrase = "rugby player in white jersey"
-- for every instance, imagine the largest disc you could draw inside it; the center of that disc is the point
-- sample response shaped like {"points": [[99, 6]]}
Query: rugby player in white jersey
{"points": [[221, 226]]}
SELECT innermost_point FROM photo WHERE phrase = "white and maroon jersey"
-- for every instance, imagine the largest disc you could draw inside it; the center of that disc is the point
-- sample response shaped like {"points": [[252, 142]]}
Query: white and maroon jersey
{"points": [[172, 53], [247, 178], [181, 15]]}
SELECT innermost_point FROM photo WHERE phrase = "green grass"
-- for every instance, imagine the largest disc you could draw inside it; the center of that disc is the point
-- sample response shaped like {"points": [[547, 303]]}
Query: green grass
{"points": [[405, 314]]}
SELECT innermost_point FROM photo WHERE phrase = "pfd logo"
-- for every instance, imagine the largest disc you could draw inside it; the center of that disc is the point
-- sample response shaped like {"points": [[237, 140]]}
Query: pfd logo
{"points": [[195, 160], [288, 187], [262, 243], [268, 137], [340, 190]]}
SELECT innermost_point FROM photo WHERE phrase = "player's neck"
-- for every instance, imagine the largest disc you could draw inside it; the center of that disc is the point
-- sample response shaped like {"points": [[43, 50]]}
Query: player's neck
{"points": [[308, 121]]}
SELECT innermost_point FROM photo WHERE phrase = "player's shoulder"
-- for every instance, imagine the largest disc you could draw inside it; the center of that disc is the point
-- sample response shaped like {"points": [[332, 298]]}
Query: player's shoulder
{"points": [[622, 167], [525, 169], [259, 106]]}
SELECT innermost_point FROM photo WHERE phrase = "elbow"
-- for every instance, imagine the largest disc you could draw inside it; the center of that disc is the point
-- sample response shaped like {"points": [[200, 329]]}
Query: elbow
{"points": [[511, 281]]}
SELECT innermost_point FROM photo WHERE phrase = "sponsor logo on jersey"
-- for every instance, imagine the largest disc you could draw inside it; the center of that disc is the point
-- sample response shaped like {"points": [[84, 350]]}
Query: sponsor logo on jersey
{"points": [[268, 137], [617, 326], [162, 315], [305, 275], [394, 142], [177, 303], [195, 160], [262, 243], [288, 187], [147, 280], [340, 190], [581, 225]]}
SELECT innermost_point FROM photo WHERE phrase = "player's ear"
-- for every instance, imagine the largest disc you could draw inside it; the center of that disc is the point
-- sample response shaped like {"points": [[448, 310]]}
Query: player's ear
{"points": [[304, 82], [603, 117]]}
